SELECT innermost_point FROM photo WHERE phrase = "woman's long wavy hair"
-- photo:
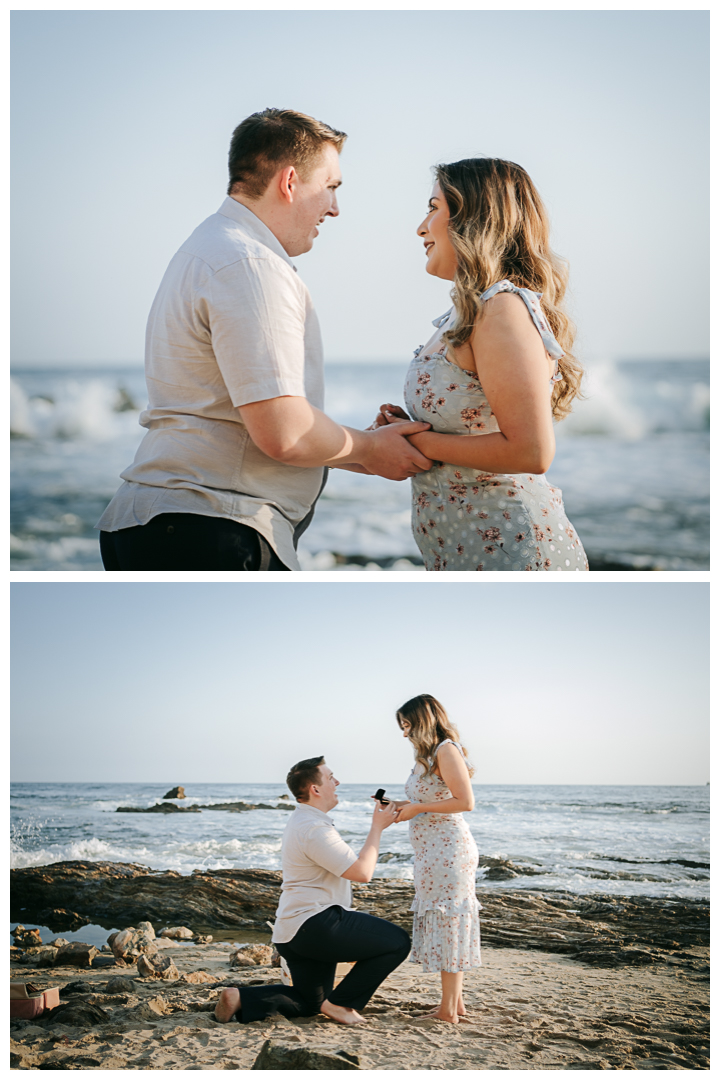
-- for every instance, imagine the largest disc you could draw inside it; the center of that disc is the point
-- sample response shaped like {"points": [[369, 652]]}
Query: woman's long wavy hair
{"points": [[499, 229], [429, 726]]}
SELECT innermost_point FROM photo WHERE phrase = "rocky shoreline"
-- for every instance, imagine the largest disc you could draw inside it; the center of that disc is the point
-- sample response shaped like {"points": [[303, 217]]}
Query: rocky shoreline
{"points": [[602, 930], [566, 982], [526, 1010]]}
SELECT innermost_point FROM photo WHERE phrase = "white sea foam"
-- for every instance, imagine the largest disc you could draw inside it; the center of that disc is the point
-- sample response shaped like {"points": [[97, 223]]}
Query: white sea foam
{"points": [[83, 409], [586, 839]]}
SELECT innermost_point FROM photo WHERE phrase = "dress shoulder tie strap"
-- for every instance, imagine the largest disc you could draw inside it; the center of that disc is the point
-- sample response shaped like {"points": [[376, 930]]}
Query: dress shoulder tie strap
{"points": [[532, 303]]}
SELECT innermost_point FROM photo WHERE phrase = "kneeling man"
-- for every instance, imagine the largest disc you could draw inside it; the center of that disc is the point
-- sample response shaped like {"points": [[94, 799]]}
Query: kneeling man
{"points": [[315, 926]]}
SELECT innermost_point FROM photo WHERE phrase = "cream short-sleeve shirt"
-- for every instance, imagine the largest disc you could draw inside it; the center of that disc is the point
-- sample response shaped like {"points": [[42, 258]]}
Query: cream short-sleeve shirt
{"points": [[232, 323], [314, 856]]}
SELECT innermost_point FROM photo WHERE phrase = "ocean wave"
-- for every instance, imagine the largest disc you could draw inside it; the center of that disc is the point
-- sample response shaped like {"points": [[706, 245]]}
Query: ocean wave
{"points": [[82, 408], [623, 401], [90, 850]]}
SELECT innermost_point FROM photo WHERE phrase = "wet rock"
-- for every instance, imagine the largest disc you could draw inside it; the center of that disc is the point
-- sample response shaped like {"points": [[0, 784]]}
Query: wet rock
{"points": [[58, 942], [203, 939], [278, 1055], [76, 954], [158, 808], [76, 1014], [60, 919], [78, 986], [252, 956], [239, 807], [105, 960], [504, 869], [156, 966], [46, 956], [116, 894], [132, 942], [176, 933], [175, 793], [120, 984], [26, 939]]}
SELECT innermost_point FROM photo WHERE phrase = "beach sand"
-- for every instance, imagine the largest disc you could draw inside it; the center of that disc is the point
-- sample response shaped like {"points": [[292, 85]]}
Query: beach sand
{"points": [[526, 1010]]}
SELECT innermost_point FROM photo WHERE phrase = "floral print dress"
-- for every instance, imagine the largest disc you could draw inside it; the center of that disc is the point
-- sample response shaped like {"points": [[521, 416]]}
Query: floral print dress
{"points": [[466, 519], [446, 929]]}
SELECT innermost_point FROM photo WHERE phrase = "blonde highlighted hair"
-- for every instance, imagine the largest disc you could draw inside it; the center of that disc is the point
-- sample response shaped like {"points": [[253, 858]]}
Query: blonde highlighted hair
{"points": [[429, 726], [499, 229]]}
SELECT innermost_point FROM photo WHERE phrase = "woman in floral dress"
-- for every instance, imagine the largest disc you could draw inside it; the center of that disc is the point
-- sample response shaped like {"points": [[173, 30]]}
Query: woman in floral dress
{"points": [[446, 930], [492, 378]]}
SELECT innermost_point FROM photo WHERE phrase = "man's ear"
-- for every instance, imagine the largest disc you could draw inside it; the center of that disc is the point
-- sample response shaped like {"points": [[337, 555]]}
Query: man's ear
{"points": [[287, 183]]}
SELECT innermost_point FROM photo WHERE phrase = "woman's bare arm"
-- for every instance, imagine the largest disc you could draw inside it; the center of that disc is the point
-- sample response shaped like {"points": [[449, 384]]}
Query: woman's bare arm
{"points": [[514, 371], [454, 772]]}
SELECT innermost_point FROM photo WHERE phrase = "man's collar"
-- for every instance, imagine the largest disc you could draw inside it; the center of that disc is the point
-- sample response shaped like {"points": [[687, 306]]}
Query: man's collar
{"points": [[252, 224], [312, 810]]}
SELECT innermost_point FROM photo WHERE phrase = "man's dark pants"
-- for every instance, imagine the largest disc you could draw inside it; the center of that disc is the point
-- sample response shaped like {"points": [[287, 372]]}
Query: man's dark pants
{"points": [[188, 542], [331, 937]]}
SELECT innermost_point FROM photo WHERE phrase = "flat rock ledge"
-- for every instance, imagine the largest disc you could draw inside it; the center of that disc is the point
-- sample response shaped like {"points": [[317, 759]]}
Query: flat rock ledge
{"points": [[196, 808], [607, 931]]}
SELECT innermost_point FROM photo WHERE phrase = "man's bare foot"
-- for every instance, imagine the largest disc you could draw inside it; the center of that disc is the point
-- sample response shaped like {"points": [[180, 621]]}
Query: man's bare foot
{"points": [[341, 1014], [228, 1004]]}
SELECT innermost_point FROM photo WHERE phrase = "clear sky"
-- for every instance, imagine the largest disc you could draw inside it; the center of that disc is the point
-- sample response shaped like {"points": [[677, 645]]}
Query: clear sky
{"points": [[181, 683], [122, 120]]}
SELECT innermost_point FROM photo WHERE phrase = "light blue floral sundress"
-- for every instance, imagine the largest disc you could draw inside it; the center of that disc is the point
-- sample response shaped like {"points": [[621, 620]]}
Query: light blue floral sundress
{"points": [[465, 519]]}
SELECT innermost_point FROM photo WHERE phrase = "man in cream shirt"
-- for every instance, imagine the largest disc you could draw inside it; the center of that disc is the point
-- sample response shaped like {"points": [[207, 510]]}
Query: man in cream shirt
{"points": [[237, 444], [315, 927]]}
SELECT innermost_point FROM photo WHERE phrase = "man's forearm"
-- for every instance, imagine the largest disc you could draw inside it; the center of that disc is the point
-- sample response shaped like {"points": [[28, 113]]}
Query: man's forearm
{"points": [[368, 857], [291, 430]]}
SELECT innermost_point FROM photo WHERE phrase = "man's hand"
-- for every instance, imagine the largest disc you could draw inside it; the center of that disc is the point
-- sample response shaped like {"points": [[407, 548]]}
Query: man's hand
{"points": [[384, 815], [364, 866], [389, 453]]}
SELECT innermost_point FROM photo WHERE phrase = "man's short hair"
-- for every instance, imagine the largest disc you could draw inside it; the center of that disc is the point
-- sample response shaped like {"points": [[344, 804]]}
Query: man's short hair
{"points": [[271, 140], [302, 775]]}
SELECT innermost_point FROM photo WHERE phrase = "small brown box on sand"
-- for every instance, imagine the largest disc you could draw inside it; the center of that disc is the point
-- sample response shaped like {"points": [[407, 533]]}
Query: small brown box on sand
{"points": [[28, 1000]]}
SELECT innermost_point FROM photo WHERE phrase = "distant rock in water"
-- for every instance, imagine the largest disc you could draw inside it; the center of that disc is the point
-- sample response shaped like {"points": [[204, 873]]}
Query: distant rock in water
{"points": [[175, 793], [237, 807], [171, 808]]}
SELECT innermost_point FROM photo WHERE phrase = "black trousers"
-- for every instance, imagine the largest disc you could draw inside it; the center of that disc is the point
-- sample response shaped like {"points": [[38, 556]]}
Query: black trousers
{"points": [[188, 542], [328, 938]]}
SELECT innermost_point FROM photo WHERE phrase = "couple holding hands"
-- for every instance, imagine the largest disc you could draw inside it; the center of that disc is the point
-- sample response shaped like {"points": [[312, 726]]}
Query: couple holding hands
{"points": [[316, 928], [238, 446]]}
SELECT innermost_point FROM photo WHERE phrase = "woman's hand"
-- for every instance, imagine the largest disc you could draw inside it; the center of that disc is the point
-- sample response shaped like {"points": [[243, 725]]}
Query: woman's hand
{"points": [[408, 812], [389, 414]]}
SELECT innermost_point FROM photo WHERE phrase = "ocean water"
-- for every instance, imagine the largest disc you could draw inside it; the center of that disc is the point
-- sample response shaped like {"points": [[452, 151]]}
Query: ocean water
{"points": [[622, 840], [632, 461]]}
